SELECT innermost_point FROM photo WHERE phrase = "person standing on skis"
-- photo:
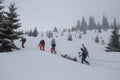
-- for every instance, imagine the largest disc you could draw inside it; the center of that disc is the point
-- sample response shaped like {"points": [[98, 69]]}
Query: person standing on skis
{"points": [[23, 40], [53, 45], [84, 55]]}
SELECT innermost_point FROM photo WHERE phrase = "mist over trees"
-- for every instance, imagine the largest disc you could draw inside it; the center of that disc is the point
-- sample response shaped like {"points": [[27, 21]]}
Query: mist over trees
{"points": [[93, 25], [32, 33], [55, 29], [105, 24], [78, 27]]}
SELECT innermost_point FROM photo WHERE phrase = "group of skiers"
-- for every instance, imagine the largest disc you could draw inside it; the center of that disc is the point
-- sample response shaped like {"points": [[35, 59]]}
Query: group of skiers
{"points": [[53, 45], [83, 53], [41, 45]]}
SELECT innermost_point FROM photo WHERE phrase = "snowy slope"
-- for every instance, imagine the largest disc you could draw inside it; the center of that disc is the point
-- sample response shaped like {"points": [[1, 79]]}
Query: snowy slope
{"points": [[32, 64]]}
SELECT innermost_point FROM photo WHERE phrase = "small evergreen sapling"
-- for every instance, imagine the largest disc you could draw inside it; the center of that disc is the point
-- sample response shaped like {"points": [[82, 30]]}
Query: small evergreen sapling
{"points": [[70, 37], [97, 39]]}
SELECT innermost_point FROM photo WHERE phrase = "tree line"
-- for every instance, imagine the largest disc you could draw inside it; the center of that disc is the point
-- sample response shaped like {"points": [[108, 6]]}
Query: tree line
{"points": [[92, 25]]}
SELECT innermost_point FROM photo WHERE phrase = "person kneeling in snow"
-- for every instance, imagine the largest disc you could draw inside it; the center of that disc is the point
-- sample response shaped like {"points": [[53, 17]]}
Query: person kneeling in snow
{"points": [[68, 57]]}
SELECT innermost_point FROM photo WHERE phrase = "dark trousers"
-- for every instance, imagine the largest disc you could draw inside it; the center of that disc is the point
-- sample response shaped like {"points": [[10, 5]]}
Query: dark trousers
{"points": [[83, 59]]}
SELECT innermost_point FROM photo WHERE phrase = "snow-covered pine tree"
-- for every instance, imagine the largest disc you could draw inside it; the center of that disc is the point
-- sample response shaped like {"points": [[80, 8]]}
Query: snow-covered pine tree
{"points": [[105, 24], [49, 34], [55, 29], [2, 29], [80, 36], [99, 28], [92, 25], [78, 26], [102, 42], [83, 25], [114, 43], [35, 32], [9, 30], [70, 37], [84, 31], [30, 33], [73, 29], [97, 39], [13, 21]]}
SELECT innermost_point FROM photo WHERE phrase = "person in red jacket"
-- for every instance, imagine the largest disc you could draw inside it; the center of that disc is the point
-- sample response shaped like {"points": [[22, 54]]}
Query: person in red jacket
{"points": [[23, 40], [42, 45]]}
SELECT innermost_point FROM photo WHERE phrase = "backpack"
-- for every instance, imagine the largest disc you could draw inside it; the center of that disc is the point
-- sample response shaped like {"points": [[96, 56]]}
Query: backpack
{"points": [[85, 49], [53, 44], [24, 39], [42, 42]]}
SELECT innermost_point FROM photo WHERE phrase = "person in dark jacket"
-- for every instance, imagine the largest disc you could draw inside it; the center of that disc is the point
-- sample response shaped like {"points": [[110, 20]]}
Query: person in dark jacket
{"points": [[23, 40], [42, 45], [85, 49], [53, 45], [84, 55]]}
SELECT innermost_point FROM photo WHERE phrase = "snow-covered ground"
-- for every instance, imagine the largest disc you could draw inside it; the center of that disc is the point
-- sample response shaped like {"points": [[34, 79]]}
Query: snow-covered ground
{"points": [[32, 64]]}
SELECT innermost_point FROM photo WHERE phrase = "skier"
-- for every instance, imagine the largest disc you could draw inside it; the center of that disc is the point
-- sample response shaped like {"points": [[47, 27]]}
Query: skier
{"points": [[42, 45], [23, 40], [68, 57], [53, 46], [84, 55], [85, 49]]}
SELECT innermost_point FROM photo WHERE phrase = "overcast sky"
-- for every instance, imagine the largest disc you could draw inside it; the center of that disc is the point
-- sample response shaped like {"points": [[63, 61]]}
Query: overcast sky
{"points": [[46, 14]]}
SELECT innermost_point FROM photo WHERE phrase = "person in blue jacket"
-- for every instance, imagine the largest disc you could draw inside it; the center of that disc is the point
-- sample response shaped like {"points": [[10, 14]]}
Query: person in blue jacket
{"points": [[53, 45]]}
